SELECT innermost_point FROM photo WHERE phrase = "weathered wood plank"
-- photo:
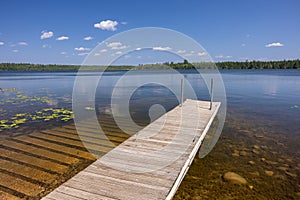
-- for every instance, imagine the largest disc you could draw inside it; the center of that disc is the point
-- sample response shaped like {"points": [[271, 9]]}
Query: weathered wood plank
{"points": [[60, 195], [135, 177], [68, 193], [113, 188]]}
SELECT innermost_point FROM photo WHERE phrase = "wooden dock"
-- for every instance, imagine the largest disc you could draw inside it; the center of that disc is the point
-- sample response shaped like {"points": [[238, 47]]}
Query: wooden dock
{"points": [[149, 165]]}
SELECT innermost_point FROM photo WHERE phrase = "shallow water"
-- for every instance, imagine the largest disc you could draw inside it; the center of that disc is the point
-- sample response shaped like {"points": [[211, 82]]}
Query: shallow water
{"points": [[261, 134], [263, 110]]}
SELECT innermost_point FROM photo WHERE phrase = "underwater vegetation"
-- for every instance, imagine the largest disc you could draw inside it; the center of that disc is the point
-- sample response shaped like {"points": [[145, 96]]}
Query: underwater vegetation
{"points": [[33, 108]]}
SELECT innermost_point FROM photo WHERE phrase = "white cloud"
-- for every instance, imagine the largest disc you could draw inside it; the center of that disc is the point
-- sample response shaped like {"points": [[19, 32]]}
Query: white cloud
{"points": [[139, 57], [138, 49], [23, 43], [181, 51], [100, 52], [108, 25], [117, 53], [191, 53], [116, 45], [62, 38], [243, 45], [88, 38], [188, 54], [46, 34], [222, 56], [46, 46], [82, 54], [82, 49], [120, 47], [244, 58], [161, 48], [1, 43], [202, 53], [274, 44], [15, 51], [123, 23], [63, 53]]}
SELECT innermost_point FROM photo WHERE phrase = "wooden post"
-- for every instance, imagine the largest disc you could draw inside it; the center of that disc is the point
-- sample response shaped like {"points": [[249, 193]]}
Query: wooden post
{"points": [[211, 93], [181, 92]]}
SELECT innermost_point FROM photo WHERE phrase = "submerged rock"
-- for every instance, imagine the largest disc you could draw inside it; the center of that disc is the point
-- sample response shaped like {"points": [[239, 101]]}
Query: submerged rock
{"points": [[234, 178], [251, 162], [291, 174], [289, 160], [259, 136], [283, 168], [271, 162], [235, 154], [280, 176], [255, 151], [269, 173], [243, 153], [254, 173]]}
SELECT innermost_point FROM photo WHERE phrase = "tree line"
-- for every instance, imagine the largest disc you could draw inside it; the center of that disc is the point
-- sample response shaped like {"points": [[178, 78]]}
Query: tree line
{"points": [[285, 64]]}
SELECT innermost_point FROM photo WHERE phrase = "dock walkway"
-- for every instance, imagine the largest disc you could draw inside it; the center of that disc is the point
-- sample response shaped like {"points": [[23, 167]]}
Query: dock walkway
{"points": [[149, 165]]}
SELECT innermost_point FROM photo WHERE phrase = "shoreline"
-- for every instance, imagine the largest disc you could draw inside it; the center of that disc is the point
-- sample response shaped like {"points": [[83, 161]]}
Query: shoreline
{"points": [[230, 65], [125, 70]]}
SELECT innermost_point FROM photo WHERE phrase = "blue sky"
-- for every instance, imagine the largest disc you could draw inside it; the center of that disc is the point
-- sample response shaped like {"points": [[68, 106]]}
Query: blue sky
{"points": [[54, 31]]}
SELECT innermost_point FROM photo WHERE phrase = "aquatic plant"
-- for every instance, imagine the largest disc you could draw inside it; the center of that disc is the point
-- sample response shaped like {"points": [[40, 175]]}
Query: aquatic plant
{"points": [[15, 98]]}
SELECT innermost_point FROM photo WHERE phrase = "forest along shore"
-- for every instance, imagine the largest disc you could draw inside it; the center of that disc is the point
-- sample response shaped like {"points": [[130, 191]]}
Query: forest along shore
{"points": [[285, 64]]}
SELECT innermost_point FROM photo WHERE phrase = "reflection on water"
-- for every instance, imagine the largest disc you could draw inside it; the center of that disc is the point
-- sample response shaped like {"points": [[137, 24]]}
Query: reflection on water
{"points": [[261, 133]]}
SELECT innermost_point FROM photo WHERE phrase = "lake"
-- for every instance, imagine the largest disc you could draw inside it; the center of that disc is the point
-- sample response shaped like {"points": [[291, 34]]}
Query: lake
{"points": [[40, 149]]}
